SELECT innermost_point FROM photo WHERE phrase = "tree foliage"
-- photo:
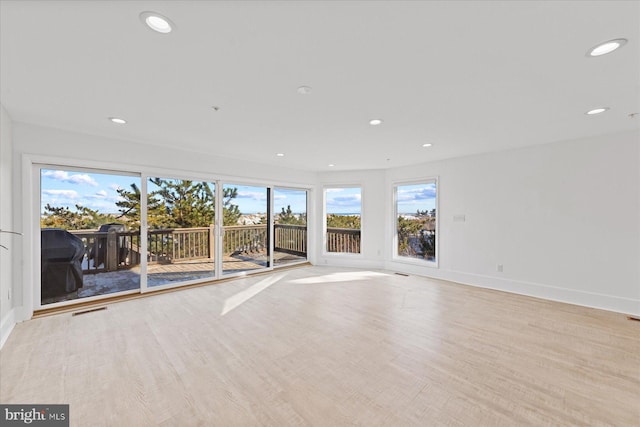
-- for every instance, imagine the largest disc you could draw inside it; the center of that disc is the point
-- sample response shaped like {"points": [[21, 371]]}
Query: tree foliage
{"points": [[129, 207], [184, 203], [175, 204], [81, 219], [431, 213], [288, 217], [230, 212], [343, 221], [407, 228], [179, 204], [417, 236]]}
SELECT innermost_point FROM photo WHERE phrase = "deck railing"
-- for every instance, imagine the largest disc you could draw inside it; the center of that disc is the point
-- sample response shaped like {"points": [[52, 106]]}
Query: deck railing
{"points": [[346, 240], [179, 244], [110, 251], [290, 238], [244, 238]]}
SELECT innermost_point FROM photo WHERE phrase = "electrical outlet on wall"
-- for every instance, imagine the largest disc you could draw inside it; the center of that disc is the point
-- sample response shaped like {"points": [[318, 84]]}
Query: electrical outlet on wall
{"points": [[499, 268]]}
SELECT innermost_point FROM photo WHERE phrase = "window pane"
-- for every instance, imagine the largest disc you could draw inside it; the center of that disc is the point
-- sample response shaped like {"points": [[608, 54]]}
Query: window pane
{"points": [[90, 245], [416, 220], [181, 218], [246, 230], [290, 226], [343, 208]]}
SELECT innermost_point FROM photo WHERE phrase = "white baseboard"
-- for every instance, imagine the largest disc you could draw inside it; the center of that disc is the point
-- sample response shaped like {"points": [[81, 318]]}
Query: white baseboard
{"points": [[538, 290], [6, 326]]}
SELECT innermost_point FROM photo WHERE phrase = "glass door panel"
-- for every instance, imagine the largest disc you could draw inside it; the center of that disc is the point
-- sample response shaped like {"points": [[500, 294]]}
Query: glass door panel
{"points": [[290, 226], [245, 228], [89, 234], [181, 237]]}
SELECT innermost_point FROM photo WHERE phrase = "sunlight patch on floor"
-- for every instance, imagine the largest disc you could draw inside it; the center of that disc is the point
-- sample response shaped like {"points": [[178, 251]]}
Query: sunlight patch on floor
{"points": [[242, 297], [340, 277]]}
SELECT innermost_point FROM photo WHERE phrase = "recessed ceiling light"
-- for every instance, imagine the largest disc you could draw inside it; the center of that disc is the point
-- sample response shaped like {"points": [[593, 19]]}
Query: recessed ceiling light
{"points": [[280, 154], [375, 122], [596, 111], [118, 120], [606, 47], [304, 90], [157, 22], [331, 165], [427, 145]]}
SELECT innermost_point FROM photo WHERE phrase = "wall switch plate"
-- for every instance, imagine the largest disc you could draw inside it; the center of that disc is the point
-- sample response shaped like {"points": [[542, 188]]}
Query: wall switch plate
{"points": [[499, 268], [459, 218]]}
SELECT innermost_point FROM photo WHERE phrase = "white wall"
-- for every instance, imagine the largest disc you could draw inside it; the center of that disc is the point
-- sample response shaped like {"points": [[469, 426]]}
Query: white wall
{"points": [[562, 218], [6, 223], [35, 144], [78, 147]]}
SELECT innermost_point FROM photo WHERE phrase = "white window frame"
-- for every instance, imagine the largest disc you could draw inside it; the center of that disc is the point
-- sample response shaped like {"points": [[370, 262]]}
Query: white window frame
{"points": [[324, 221], [394, 223]]}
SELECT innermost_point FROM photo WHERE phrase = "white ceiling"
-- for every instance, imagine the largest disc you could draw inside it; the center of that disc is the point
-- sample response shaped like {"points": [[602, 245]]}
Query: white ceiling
{"points": [[468, 77]]}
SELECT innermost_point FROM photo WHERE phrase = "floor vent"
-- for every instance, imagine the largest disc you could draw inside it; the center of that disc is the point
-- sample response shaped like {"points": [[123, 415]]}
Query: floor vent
{"points": [[636, 318], [402, 274], [91, 310]]}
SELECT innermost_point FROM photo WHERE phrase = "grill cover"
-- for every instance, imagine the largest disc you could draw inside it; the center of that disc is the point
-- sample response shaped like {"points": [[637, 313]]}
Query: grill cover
{"points": [[61, 262]]}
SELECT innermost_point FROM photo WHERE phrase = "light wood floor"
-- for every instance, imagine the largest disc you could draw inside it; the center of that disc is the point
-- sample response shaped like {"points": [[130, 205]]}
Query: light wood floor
{"points": [[330, 347]]}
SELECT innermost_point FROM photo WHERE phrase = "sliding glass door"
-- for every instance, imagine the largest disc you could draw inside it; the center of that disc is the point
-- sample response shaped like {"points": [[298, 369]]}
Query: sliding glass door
{"points": [[181, 231], [246, 231], [89, 234], [192, 231], [289, 226]]}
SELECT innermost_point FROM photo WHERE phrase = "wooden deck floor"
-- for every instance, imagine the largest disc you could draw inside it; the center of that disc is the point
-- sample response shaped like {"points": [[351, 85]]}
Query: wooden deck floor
{"points": [[162, 274]]}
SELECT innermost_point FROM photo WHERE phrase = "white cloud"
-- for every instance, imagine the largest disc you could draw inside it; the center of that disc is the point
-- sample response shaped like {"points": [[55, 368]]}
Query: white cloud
{"points": [[416, 194], [72, 179], [350, 199], [115, 187], [67, 194], [102, 194], [252, 195]]}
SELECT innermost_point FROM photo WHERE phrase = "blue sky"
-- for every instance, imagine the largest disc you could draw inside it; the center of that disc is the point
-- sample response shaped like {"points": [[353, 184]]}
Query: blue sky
{"points": [[296, 198], [344, 200], [98, 191], [410, 198], [93, 190]]}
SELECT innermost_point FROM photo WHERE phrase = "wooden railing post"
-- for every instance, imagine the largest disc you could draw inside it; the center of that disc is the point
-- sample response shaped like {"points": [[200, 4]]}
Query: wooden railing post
{"points": [[211, 242], [111, 260]]}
